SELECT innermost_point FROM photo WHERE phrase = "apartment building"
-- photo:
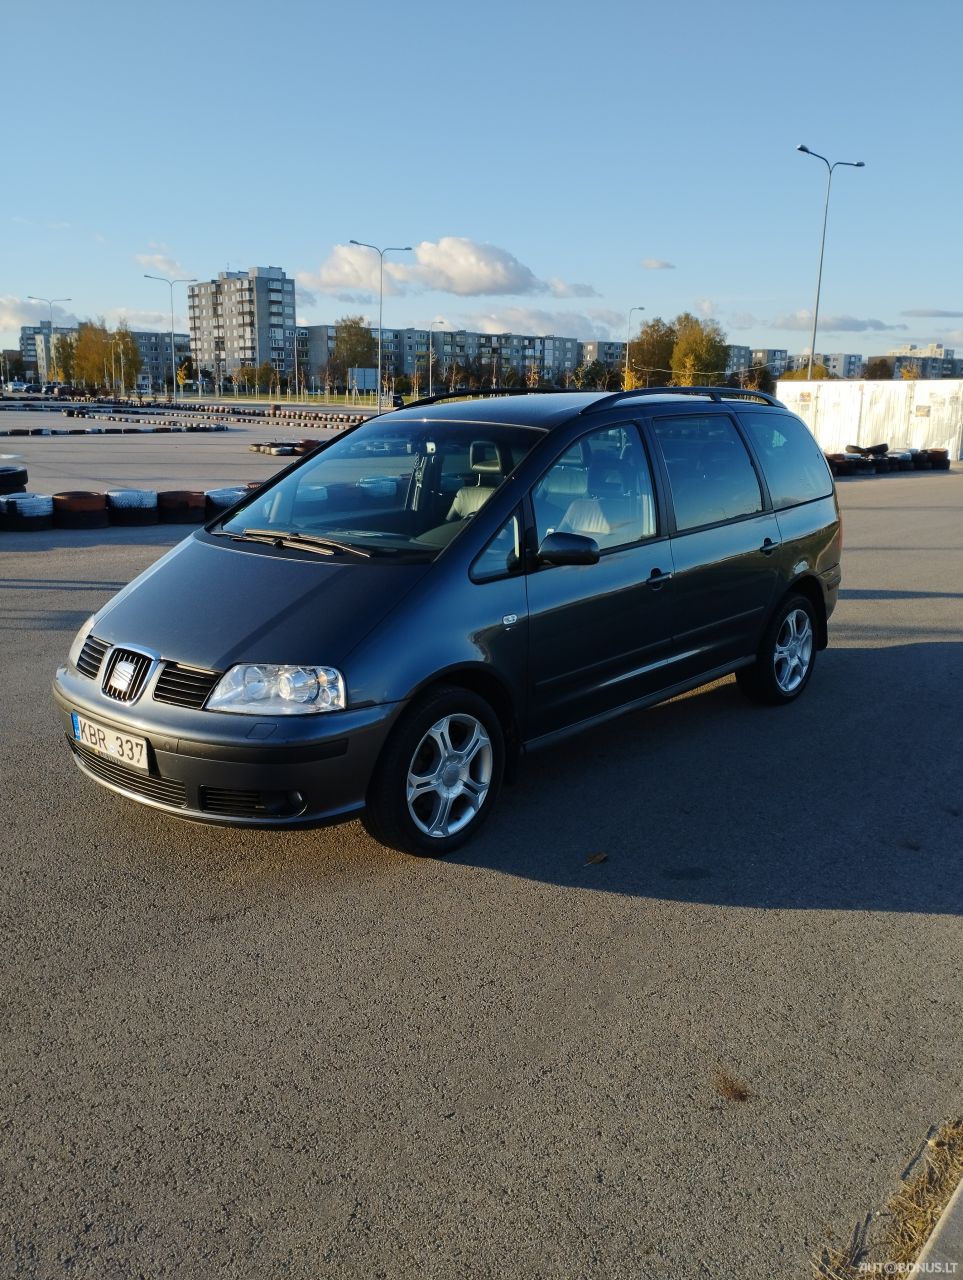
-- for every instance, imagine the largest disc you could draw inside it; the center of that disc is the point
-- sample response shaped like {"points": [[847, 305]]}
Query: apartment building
{"points": [[776, 359], [838, 364], [243, 318], [155, 357], [738, 359], [932, 361], [35, 347]]}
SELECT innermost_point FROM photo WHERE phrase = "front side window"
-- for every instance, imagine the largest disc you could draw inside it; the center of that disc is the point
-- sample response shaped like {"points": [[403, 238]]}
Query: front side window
{"points": [[502, 555], [601, 488], [710, 474], [402, 489], [791, 460]]}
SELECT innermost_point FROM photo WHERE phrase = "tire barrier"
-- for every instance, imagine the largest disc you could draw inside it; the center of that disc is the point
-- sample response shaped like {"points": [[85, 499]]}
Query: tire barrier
{"points": [[130, 507], [182, 506], [13, 479], [80, 509], [219, 500], [880, 459], [20, 512]]}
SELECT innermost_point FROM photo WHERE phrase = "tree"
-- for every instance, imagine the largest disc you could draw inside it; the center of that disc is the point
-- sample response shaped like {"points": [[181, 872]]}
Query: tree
{"points": [[879, 369], [910, 372], [126, 356], [62, 363], [820, 374], [355, 347], [650, 354], [759, 378], [700, 353], [533, 376], [92, 354]]}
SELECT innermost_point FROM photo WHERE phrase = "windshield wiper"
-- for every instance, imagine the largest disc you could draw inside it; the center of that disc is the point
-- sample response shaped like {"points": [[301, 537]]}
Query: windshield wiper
{"points": [[307, 541]]}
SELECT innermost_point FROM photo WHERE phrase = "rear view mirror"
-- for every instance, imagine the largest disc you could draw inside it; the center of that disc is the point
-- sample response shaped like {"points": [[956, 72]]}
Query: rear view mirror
{"points": [[568, 548]]}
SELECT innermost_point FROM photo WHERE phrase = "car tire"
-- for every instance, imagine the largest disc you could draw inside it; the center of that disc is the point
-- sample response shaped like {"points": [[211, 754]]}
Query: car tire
{"points": [[786, 657], [452, 743]]}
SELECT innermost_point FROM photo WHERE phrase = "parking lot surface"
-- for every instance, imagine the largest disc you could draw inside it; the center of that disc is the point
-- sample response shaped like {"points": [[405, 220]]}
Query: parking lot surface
{"points": [[238, 1053]]}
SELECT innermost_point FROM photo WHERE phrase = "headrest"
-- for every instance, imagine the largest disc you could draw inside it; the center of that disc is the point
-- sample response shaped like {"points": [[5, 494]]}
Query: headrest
{"points": [[485, 458]]}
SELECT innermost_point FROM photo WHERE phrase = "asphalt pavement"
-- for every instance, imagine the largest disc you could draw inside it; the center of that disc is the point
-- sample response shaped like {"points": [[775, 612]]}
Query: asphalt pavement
{"points": [[245, 1054]]}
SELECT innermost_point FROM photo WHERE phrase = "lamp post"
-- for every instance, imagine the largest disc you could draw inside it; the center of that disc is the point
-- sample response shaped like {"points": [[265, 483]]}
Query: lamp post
{"points": [[851, 164], [50, 303], [391, 248], [628, 336], [170, 284], [431, 350]]}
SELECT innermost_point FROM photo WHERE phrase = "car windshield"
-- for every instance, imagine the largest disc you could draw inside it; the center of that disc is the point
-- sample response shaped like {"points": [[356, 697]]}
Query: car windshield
{"points": [[402, 489]]}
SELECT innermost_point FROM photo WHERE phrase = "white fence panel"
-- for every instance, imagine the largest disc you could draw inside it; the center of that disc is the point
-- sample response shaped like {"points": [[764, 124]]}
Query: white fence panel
{"points": [[921, 415]]}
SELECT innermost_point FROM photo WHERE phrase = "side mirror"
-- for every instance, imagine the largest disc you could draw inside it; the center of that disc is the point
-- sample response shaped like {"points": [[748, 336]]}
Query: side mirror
{"points": [[568, 548]]}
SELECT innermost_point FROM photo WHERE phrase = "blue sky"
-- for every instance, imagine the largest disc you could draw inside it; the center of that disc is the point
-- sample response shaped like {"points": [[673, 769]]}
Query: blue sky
{"points": [[553, 164]]}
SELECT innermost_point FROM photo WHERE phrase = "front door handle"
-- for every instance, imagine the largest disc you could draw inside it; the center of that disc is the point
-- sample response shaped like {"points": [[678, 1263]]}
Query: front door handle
{"points": [[657, 578], [768, 547]]}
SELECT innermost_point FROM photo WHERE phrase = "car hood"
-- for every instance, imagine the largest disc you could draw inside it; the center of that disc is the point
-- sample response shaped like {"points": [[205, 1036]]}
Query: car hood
{"points": [[210, 604]]}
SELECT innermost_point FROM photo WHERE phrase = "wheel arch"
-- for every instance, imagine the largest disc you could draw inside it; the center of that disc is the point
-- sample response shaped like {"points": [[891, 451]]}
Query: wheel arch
{"points": [[809, 586], [483, 682]]}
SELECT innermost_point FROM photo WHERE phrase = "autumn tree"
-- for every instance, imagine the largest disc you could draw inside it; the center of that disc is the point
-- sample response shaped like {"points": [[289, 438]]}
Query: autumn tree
{"points": [[355, 347], [879, 369], [910, 371], [819, 374], [650, 354], [92, 353], [127, 360], [62, 357], [700, 353]]}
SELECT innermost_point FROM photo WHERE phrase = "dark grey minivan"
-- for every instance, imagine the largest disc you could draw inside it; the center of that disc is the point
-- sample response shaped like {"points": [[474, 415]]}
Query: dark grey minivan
{"points": [[387, 624]]}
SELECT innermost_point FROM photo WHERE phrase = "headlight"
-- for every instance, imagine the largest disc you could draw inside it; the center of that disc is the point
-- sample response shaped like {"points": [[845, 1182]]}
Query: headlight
{"points": [[257, 689], [80, 640]]}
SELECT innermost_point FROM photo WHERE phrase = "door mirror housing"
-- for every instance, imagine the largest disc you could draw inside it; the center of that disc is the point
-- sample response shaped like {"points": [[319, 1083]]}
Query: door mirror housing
{"points": [[568, 548]]}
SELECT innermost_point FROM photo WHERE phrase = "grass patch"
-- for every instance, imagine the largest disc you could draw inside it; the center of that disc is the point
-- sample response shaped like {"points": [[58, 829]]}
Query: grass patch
{"points": [[908, 1220]]}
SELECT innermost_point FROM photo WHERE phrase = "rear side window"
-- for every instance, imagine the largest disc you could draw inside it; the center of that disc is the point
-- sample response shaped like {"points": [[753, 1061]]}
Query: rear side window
{"points": [[710, 473], [791, 460]]}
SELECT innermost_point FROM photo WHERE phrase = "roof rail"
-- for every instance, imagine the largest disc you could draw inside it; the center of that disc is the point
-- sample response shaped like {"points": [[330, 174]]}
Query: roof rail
{"points": [[709, 393], [483, 393]]}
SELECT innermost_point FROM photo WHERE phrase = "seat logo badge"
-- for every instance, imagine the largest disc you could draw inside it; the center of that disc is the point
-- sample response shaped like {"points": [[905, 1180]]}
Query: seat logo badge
{"points": [[510, 619], [122, 675]]}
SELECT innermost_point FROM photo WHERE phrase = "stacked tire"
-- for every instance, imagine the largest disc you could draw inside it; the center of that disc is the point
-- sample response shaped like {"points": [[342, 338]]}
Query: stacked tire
{"points": [[80, 509], [132, 507], [218, 500], [13, 480], [182, 506], [26, 512]]}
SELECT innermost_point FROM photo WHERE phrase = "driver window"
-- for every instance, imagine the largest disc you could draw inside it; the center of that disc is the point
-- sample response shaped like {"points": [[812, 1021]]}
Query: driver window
{"points": [[601, 488]]}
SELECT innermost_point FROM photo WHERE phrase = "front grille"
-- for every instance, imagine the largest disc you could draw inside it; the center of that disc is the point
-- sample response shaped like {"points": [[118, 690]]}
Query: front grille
{"points": [[250, 804], [184, 686], [163, 790], [91, 656], [131, 670]]}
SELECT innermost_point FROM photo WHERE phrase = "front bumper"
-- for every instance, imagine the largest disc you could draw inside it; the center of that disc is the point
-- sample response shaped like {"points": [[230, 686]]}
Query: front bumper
{"points": [[233, 770]]}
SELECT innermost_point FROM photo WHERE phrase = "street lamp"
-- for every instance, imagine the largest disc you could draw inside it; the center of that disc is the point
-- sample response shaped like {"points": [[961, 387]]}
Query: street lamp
{"points": [[381, 290], [431, 351], [852, 164], [628, 336], [170, 284], [50, 303]]}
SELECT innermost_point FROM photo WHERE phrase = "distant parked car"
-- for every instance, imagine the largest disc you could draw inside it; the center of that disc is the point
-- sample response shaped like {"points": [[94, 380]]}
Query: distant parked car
{"points": [[15, 387], [32, 387]]}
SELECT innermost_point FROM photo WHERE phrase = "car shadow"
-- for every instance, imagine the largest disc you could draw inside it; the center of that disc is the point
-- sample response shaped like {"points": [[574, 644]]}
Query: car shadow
{"points": [[846, 800]]}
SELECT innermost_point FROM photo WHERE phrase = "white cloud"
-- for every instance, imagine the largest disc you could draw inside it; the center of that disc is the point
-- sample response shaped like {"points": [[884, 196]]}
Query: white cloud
{"points": [[139, 319], [559, 289], [706, 308], [742, 320], [803, 321], [453, 264], [534, 320], [15, 312], [940, 315], [161, 264], [657, 264]]}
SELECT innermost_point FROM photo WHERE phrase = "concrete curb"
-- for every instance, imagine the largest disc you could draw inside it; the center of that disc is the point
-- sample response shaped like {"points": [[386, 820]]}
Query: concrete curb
{"points": [[943, 1252]]}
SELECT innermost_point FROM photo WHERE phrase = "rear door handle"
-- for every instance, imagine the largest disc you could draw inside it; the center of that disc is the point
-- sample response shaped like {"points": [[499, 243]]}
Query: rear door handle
{"points": [[768, 547]]}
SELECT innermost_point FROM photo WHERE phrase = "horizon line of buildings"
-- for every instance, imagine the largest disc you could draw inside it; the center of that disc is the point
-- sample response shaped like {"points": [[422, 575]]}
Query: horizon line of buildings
{"points": [[248, 318]]}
